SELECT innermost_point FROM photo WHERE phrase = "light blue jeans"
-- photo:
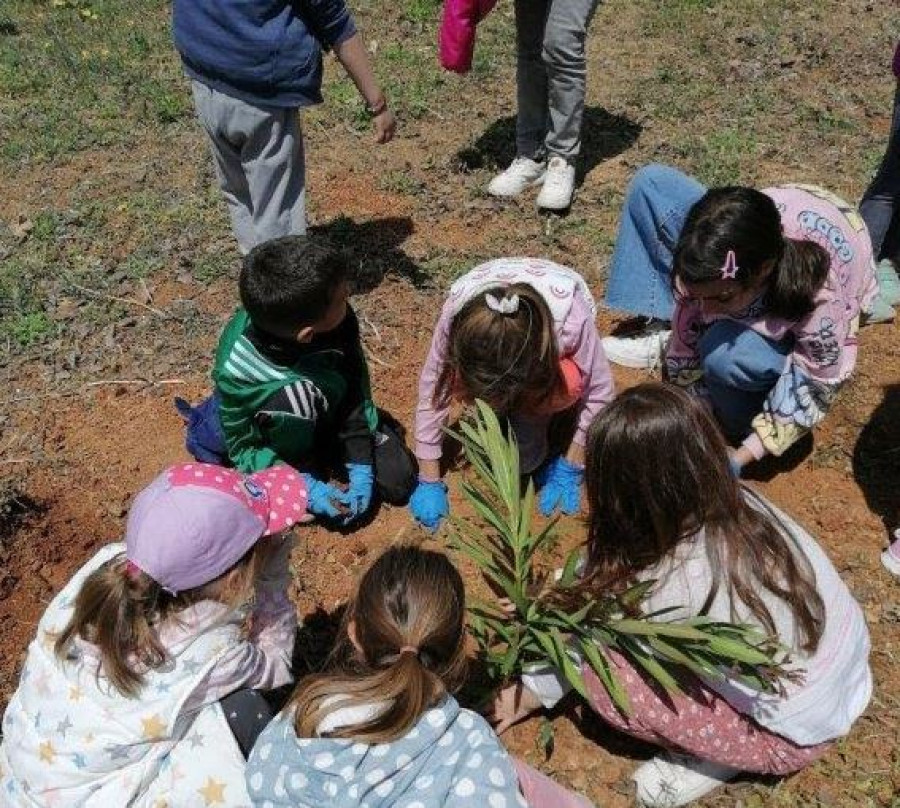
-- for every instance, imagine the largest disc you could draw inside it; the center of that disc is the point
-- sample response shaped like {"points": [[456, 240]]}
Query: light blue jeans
{"points": [[740, 367], [656, 204]]}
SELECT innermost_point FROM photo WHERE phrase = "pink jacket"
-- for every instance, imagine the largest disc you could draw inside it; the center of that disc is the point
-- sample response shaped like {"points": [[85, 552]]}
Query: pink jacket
{"points": [[457, 34]]}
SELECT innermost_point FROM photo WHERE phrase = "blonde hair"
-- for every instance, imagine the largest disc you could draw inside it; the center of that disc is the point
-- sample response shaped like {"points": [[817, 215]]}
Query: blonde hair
{"points": [[407, 651], [510, 361], [119, 609]]}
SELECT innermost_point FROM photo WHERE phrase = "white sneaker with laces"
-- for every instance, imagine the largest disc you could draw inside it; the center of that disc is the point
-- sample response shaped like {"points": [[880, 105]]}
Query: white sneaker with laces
{"points": [[671, 779], [559, 185], [644, 349], [522, 173], [890, 558]]}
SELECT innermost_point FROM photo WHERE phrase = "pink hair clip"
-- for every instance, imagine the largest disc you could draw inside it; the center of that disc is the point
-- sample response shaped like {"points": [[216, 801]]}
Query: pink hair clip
{"points": [[730, 268]]}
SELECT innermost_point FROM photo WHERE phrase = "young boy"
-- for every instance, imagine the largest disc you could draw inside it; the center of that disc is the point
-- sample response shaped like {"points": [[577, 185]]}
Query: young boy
{"points": [[253, 64], [293, 385]]}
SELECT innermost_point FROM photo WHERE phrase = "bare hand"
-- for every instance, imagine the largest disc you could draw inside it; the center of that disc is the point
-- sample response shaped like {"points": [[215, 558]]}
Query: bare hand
{"points": [[512, 704], [385, 125]]}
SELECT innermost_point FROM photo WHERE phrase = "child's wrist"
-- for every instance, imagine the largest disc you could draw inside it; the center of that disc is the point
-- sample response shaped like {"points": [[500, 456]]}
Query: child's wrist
{"points": [[378, 106]]}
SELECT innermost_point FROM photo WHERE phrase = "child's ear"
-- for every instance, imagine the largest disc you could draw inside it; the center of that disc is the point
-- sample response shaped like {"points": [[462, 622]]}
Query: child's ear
{"points": [[305, 334]]}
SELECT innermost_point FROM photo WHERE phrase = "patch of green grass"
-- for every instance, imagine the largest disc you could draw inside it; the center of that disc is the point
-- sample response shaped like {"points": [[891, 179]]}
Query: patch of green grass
{"points": [[723, 157], [421, 11]]}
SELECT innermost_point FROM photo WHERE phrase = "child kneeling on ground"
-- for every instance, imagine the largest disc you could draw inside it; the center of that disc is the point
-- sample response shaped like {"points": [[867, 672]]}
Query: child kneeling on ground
{"points": [[665, 507], [519, 334], [292, 384], [141, 685], [379, 728]]}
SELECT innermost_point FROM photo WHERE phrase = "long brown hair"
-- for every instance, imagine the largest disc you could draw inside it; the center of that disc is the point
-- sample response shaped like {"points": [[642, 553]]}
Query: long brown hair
{"points": [[120, 609], [407, 622], [657, 472], [506, 360], [747, 222]]}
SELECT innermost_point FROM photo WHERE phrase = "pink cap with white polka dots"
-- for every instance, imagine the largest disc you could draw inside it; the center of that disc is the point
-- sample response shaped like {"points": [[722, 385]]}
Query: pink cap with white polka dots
{"points": [[196, 520]]}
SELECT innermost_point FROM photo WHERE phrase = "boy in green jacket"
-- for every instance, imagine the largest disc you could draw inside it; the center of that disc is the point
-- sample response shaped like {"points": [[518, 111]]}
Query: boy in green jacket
{"points": [[293, 384]]}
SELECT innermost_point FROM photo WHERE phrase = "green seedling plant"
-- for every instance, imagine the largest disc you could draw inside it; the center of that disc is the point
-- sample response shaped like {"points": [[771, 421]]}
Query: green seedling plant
{"points": [[536, 623]]}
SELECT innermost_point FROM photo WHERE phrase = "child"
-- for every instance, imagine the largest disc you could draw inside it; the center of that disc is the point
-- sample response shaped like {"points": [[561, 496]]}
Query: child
{"points": [[768, 291], [881, 201], [519, 334], [379, 728], [292, 382], [664, 507], [253, 65], [124, 696], [551, 79]]}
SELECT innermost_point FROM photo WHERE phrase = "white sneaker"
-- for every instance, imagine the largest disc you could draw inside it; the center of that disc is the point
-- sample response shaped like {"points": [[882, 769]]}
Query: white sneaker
{"points": [[891, 557], [671, 779], [643, 349], [523, 172], [559, 185]]}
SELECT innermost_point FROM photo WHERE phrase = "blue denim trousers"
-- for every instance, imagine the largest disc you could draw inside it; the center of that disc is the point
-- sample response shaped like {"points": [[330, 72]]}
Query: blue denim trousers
{"points": [[881, 201], [740, 367], [657, 202]]}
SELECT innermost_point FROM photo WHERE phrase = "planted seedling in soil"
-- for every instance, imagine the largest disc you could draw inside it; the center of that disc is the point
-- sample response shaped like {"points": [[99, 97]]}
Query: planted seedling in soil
{"points": [[537, 624]]}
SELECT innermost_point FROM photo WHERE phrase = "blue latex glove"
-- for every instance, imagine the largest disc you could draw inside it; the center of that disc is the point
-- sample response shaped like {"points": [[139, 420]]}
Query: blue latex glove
{"points": [[204, 438], [429, 503], [560, 487], [323, 499], [358, 497]]}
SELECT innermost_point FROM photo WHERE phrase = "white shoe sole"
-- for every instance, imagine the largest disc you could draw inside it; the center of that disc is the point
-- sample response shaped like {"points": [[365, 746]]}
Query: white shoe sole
{"points": [[890, 563], [631, 360]]}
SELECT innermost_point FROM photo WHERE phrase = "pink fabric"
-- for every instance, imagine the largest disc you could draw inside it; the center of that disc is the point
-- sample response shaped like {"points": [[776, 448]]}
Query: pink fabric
{"points": [[578, 342], [699, 723], [542, 792], [456, 39]]}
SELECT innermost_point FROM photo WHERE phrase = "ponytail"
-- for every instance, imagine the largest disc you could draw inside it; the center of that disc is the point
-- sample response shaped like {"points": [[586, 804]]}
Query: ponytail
{"points": [[796, 279], [119, 609], [114, 610], [400, 651]]}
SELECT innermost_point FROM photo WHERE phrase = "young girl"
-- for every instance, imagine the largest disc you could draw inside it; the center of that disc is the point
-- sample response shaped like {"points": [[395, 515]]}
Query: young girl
{"points": [[379, 728], [143, 662], [679, 518], [519, 334], [764, 290]]}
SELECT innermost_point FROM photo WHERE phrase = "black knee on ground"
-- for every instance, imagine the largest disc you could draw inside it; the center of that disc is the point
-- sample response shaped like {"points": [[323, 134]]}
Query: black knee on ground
{"points": [[396, 469]]}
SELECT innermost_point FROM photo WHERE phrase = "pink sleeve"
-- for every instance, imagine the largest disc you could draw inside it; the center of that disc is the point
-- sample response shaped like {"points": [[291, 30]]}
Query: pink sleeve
{"points": [[580, 341], [429, 420], [456, 38]]}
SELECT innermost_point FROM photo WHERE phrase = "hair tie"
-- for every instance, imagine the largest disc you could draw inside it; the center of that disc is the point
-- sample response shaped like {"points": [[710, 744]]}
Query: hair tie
{"points": [[730, 267], [409, 649], [504, 305]]}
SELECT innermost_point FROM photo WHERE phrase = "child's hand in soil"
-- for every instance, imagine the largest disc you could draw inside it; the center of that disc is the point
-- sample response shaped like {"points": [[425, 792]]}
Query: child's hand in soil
{"points": [[511, 704], [323, 499], [429, 503], [358, 496]]}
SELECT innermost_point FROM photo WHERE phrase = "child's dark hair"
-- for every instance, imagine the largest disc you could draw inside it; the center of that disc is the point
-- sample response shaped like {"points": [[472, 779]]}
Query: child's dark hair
{"points": [[746, 222], [510, 361], [120, 609], [288, 283], [657, 472], [408, 622]]}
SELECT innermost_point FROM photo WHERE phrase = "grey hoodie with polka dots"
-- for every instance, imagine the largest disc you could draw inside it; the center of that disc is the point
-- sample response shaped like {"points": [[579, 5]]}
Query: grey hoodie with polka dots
{"points": [[451, 758]]}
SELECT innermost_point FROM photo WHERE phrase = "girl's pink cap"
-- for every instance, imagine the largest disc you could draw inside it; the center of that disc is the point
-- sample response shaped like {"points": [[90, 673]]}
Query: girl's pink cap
{"points": [[196, 521]]}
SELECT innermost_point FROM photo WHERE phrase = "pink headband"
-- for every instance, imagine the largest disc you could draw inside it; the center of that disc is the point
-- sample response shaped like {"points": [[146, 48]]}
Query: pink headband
{"points": [[730, 268]]}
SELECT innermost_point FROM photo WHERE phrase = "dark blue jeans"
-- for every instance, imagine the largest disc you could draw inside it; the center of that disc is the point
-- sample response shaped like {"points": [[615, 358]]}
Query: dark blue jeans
{"points": [[881, 201]]}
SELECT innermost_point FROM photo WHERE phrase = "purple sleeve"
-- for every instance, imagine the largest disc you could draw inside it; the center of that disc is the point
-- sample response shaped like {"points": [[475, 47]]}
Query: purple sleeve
{"points": [[580, 341], [430, 420]]}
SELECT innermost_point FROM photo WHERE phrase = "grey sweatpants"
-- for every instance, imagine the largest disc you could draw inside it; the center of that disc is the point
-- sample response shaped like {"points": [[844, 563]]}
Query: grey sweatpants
{"points": [[258, 154], [551, 75]]}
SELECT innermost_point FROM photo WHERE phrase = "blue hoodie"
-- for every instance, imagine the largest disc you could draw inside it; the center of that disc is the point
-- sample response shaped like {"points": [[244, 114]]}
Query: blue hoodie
{"points": [[266, 52], [451, 758]]}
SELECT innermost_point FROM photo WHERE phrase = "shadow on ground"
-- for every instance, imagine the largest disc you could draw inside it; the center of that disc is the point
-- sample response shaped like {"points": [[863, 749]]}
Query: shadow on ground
{"points": [[375, 249], [876, 459], [604, 135]]}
